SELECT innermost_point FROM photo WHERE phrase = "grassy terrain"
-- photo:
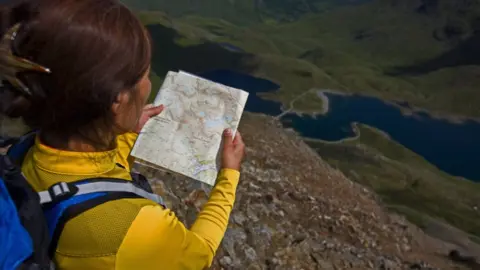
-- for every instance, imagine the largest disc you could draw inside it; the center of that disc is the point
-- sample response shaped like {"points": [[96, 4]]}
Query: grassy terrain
{"points": [[156, 84], [405, 181], [309, 103], [349, 48], [245, 12]]}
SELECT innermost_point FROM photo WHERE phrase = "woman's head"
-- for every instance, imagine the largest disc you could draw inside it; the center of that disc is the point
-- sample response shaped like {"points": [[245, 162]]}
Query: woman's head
{"points": [[98, 54]]}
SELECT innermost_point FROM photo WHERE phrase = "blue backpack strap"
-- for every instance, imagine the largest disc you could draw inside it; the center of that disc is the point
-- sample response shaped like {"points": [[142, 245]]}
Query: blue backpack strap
{"points": [[16, 244], [20, 147], [64, 201], [26, 216]]}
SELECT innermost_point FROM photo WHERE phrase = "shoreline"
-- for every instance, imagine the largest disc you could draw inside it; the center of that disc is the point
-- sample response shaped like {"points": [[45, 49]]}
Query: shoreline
{"points": [[410, 111], [355, 129], [320, 94]]}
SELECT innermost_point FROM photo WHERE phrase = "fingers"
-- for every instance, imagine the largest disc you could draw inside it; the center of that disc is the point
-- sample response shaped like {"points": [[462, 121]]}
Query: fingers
{"points": [[238, 140], [148, 106], [151, 111]]}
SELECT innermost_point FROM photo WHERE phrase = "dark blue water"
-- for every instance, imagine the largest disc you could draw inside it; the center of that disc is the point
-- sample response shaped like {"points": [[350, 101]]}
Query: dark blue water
{"points": [[454, 148], [250, 84], [231, 47]]}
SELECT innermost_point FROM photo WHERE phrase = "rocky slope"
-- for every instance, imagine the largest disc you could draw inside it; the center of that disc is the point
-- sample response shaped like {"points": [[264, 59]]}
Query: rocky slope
{"points": [[293, 211]]}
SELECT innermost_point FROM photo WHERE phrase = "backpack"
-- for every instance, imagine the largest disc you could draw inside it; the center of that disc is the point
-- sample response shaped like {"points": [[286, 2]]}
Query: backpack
{"points": [[31, 223]]}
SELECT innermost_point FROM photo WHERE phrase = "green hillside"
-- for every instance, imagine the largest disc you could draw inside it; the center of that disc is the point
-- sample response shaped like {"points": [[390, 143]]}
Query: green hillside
{"points": [[405, 181], [423, 52], [245, 12]]}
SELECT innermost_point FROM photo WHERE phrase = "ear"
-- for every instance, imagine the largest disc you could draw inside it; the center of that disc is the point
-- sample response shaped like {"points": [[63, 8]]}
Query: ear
{"points": [[120, 103]]}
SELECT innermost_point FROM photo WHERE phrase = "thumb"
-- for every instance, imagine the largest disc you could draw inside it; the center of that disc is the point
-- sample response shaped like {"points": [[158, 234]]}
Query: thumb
{"points": [[227, 137]]}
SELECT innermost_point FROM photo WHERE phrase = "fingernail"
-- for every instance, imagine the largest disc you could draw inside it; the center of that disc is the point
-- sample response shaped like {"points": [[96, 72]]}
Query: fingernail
{"points": [[228, 131]]}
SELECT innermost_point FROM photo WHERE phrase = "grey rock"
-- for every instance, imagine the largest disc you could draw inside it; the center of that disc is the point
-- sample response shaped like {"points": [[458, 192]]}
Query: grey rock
{"points": [[324, 265], [239, 218], [254, 266], [330, 245], [250, 254], [226, 261], [386, 264], [406, 247], [251, 215]]}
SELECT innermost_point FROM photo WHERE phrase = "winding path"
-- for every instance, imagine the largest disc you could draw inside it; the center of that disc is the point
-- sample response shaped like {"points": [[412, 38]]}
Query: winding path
{"points": [[292, 103], [324, 99]]}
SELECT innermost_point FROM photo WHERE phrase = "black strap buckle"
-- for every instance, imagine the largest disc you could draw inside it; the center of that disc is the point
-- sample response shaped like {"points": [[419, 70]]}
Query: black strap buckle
{"points": [[62, 191], [8, 167], [6, 141]]}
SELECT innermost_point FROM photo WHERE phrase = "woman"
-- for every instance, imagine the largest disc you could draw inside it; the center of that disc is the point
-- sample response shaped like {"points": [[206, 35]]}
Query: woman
{"points": [[79, 74]]}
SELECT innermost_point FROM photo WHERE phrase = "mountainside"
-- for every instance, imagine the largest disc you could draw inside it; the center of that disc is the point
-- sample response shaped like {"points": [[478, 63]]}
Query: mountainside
{"points": [[243, 12], [459, 17], [376, 48], [459, 26], [424, 52], [294, 211]]}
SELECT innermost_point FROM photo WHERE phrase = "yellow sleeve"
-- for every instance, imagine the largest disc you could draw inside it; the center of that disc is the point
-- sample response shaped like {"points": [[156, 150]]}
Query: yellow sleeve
{"points": [[157, 239], [125, 144]]}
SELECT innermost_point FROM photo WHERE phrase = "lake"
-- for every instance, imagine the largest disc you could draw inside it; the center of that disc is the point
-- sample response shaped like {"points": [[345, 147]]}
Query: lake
{"points": [[453, 148]]}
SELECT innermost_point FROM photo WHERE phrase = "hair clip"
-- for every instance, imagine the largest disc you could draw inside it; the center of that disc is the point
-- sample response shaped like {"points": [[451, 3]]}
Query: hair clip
{"points": [[11, 65]]}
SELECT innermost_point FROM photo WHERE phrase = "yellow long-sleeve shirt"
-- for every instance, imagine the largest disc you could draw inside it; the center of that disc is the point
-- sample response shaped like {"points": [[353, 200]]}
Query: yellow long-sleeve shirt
{"points": [[129, 233]]}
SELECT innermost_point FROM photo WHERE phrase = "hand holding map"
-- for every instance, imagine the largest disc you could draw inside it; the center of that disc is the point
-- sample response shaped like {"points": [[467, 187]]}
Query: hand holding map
{"points": [[149, 111], [233, 150], [186, 137]]}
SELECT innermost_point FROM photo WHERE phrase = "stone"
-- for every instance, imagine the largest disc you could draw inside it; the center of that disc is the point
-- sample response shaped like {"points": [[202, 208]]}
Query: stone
{"points": [[325, 265], [251, 215], [226, 261], [298, 239], [386, 264], [329, 245], [406, 248], [250, 254], [239, 218], [254, 266]]}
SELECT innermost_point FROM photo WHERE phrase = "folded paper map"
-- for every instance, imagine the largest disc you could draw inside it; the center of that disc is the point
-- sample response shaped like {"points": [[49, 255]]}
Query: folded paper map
{"points": [[186, 137]]}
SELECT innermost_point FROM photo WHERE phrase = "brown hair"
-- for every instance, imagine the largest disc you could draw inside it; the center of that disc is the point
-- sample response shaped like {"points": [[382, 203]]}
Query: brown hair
{"points": [[95, 50]]}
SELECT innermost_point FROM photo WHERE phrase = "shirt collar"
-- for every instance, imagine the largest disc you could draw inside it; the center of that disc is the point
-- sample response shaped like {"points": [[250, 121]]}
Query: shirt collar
{"points": [[72, 163]]}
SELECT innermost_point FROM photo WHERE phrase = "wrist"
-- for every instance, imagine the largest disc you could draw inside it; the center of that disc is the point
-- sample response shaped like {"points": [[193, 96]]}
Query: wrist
{"points": [[231, 175], [231, 165], [230, 169], [234, 168]]}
